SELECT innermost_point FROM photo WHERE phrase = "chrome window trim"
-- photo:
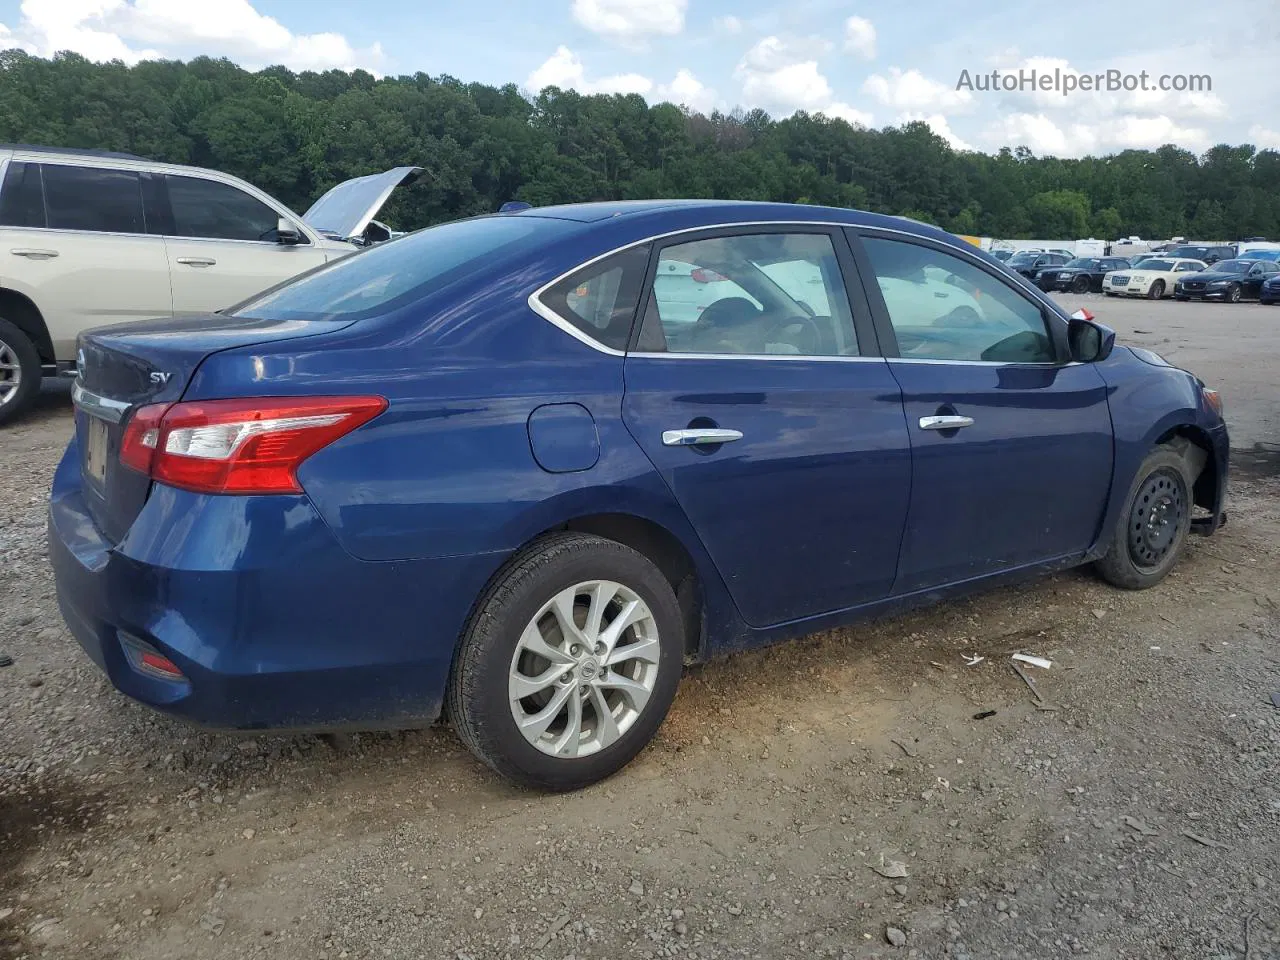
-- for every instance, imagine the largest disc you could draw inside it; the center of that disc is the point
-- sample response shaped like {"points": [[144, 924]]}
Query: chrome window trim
{"points": [[97, 405], [986, 363], [542, 310], [648, 355]]}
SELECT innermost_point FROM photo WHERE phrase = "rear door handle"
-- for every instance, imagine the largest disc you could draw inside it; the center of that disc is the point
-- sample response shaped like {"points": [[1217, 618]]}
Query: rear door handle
{"points": [[945, 423], [34, 254], [197, 261], [700, 435]]}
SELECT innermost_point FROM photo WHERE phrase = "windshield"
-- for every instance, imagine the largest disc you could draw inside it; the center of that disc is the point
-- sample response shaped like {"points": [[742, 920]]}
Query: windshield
{"points": [[1232, 266], [1023, 257], [392, 274], [1154, 264], [1082, 263], [1195, 253]]}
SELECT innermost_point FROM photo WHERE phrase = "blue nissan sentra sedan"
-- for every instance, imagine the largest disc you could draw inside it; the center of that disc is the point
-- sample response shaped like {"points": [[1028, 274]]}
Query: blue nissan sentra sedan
{"points": [[509, 471]]}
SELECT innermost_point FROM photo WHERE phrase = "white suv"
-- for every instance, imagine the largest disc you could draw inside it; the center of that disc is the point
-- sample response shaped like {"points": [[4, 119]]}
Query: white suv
{"points": [[90, 238]]}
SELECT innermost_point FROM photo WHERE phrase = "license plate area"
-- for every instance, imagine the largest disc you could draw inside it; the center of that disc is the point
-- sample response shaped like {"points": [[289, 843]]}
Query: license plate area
{"points": [[95, 450]]}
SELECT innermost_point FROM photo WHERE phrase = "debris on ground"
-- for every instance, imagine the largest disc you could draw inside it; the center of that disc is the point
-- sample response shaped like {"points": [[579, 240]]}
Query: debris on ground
{"points": [[982, 715], [909, 750], [1204, 841], [1040, 662], [891, 869], [972, 659], [1138, 825], [894, 937]]}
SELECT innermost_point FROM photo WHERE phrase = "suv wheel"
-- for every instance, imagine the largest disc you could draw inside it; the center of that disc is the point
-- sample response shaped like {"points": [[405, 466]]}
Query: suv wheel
{"points": [[19, 370], [569, 663], [1233, 293]]}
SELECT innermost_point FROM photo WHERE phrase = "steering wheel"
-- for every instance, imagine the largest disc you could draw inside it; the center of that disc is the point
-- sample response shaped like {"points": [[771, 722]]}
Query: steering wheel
{"points": [[812, 333]]}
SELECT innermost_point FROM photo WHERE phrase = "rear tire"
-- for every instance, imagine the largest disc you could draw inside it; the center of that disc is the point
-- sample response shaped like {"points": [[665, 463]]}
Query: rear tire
{"points": [[1152, 532], [19, 371], [603, 706], [1156, 291], [1080, 285]]}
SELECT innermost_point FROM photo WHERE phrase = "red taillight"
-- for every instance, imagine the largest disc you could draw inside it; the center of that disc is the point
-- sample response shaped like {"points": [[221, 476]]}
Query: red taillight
{"points": [[703, 275], [138, 446], [161, 665], [248, 446]]}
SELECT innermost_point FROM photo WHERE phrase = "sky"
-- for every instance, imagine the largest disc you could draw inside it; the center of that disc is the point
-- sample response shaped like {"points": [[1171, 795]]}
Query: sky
{"points": [[875, 64]]}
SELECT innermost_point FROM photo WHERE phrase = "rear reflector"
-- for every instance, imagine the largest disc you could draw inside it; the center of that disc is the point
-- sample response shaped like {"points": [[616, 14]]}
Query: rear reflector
{"points": [[246, 446], [146, 659]]}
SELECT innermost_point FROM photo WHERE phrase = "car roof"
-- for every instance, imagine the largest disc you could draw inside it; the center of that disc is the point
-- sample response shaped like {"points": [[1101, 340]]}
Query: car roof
{"points": [[727, 212], [68, 151]]}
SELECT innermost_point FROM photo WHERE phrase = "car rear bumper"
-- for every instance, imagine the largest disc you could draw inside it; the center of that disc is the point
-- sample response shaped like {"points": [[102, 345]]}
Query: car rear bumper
{"points": [[271, 622]]}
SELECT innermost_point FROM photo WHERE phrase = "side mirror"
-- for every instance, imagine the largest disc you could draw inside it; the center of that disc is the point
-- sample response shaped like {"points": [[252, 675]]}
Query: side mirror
{"points": [[287, 232], [1089, 341]]}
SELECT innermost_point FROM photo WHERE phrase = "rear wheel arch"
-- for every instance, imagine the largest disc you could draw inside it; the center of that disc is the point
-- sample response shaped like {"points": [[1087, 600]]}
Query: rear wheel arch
{"points": [[650, 539], [19, 310]]}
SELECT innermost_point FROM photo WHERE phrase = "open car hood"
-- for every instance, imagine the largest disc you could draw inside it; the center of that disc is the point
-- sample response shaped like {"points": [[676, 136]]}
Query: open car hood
{"points": [[346, 210]]}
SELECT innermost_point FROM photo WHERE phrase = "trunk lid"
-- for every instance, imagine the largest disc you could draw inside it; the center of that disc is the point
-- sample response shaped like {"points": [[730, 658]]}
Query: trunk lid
{"points": [[346, 210], [121, 368]]}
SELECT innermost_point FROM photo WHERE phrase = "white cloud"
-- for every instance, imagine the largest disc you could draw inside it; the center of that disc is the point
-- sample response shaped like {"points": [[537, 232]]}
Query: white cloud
{"points": [[782, 75], [133, 30], [564, 69], [842, 111], [1129, 131], [860, 37], [911, 90], [631, 21], [1264, 138], [730, 25], [941, 126], [686, 90]]}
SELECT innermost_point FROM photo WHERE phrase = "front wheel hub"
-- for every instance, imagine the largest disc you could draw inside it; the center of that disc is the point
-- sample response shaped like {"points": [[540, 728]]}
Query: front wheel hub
{"points": [[1156, 519]]}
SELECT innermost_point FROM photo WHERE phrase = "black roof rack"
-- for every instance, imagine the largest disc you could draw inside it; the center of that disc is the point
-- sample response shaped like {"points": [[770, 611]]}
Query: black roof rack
{"points": [[70, 151]]}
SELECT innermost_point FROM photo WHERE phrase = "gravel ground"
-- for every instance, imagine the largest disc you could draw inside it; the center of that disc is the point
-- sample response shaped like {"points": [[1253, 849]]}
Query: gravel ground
{"points": [[835, 797]]}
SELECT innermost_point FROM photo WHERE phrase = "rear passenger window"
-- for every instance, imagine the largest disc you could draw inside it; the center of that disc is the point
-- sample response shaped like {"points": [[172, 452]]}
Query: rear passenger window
{"points": [[218, 211], [600, 299], [944, 308], [750, 295], [21, 199], [91, 198]]}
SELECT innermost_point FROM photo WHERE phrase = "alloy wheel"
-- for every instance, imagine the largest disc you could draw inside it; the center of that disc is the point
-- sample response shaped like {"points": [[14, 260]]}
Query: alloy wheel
{"points": [[584, 669]]}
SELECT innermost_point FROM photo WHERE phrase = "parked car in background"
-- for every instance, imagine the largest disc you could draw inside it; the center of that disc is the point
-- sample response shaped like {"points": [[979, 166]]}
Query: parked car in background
{"points": [[1155, 278], [1253, 253], [1079, 275], [1270, 292], [1140, 258], [1197, 251], [1029, 264], [1228, 280], [88, 238], [1002, 255], [495, 465]]}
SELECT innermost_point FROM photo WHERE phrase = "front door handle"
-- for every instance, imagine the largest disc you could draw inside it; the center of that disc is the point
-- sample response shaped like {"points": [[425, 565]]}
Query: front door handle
{"points": [[197, 261], [694, 436], [945, 423], [34, 254]]}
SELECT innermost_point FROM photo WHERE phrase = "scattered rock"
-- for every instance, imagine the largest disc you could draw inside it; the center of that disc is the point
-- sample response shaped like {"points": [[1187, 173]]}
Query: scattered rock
{"points": [[212, 923], [636, 888], [249, 833], [895, 937]]}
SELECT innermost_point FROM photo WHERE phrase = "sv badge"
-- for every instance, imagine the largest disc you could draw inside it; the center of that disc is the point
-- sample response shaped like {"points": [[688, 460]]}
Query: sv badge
{"points": [[160, 378]]}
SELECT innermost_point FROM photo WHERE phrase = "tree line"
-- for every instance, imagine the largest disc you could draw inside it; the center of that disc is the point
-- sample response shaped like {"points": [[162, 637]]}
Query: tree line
{"points": [[296, 134]]}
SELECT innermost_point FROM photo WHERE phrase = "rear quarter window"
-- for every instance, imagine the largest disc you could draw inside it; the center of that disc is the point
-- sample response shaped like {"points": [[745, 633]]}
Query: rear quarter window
{"points": [[21, 197]]}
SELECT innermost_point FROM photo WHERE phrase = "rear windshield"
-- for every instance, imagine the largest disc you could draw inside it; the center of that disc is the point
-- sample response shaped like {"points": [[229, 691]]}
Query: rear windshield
{"points": [[392, 274]]}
